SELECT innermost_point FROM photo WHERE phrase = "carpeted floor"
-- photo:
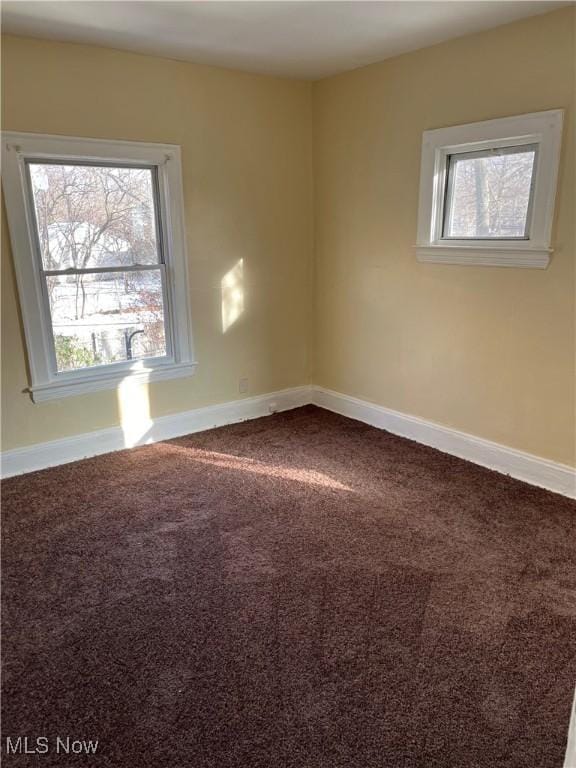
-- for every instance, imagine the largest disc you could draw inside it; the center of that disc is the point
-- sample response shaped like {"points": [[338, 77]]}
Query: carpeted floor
{"points": [[300, 591]]}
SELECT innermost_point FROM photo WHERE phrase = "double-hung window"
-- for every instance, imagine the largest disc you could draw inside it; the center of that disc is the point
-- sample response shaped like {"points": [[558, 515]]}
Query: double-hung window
{"points": [[99, 249], [487, 191]]}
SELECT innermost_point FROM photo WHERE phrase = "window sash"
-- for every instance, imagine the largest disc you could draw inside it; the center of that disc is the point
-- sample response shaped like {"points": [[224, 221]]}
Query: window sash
{"points": [[454, 157], [159, 229], [160, 266], [167, 317], [98, 270]]}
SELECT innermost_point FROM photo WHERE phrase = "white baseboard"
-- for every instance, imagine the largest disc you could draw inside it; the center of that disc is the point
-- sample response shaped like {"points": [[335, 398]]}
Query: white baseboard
{"points": [[570, 759], [42, 455], [523, 466]]}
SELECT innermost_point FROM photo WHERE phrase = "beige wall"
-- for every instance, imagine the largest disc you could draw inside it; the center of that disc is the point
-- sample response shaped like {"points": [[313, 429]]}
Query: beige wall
{"points": [[486, 350], [490, 351], [246, 149]]}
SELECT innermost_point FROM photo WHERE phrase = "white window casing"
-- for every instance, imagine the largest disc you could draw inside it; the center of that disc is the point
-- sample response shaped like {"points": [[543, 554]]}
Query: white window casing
{"points": [[541, 130], [47, 382]]}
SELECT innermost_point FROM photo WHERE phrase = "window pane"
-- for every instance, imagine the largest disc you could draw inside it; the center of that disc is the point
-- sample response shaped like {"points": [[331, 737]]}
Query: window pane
{"points": [[106, 317], [489, 193], [94, 216]]}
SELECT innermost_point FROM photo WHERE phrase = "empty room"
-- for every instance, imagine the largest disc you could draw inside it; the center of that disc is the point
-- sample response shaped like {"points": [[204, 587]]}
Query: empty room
{"points": [[288, 384]]}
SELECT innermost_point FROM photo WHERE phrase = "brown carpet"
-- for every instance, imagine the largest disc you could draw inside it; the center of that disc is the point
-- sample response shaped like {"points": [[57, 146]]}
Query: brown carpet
{"points": [[299, 591]]}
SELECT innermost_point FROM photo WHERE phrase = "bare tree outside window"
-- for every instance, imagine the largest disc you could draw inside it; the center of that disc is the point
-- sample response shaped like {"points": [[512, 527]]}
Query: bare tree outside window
{"points": [[488, 194], [100, 251]]}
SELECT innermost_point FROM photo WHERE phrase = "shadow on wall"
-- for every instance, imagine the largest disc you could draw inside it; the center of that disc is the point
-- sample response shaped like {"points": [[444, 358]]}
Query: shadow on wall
{"points": [[232, 292]]}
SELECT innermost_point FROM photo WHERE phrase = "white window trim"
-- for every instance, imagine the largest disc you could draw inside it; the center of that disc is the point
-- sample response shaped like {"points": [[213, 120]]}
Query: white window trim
{"points": [[46, 382], [541, 128]]}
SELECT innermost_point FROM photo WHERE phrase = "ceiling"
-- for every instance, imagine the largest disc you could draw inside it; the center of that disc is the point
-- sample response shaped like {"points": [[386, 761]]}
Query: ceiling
{"points": [[300, 39]]}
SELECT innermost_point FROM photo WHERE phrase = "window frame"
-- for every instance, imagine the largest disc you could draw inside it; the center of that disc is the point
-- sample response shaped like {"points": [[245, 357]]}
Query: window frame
{"points": [[46, 382], [542, 130], [159, 266], [452, 160]]}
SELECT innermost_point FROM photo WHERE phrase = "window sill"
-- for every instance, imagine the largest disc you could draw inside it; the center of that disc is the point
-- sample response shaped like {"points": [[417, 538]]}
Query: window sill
{"points": [[488, 256], [110, 380]]}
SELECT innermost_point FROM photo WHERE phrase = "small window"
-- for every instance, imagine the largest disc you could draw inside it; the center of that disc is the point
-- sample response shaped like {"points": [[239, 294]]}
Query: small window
{"points": [[101, 270], [488, 199], [489, 194]]}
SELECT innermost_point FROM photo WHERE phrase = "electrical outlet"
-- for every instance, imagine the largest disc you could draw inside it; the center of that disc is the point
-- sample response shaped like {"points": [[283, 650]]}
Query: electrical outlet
{"points": [[243, 385]]}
